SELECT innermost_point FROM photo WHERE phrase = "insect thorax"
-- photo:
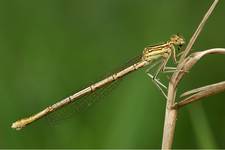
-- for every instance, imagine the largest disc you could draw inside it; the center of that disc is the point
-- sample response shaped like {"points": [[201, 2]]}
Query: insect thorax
{"points": [[155, 52]]}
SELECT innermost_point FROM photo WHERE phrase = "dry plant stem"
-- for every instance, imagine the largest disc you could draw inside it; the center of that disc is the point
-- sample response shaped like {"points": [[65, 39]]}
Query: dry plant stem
{"points": [[198, 30], [207, 91], [204, 88], [171, 114]]}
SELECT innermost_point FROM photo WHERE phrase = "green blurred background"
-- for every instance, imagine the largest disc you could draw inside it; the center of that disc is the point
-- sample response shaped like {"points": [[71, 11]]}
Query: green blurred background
{"points": [[52, 48]]}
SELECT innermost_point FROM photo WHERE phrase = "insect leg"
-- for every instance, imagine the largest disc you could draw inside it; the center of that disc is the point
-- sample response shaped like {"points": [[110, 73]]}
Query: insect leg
{"points": [[158, 84]]}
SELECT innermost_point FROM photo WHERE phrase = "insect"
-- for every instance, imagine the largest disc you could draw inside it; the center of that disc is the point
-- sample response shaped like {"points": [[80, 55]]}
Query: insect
{"points": [[160, 52]]}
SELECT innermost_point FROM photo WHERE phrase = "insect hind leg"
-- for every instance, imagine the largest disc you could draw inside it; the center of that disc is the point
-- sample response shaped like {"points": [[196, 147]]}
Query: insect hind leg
{"points": [[158, 84]]}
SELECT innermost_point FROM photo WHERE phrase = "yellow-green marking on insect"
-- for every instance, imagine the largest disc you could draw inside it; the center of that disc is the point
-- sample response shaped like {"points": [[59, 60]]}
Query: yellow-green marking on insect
{"points": [[151, 53]]}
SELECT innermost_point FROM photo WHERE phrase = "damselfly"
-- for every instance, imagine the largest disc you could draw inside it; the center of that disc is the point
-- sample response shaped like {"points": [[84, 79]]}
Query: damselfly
{"points": [[160, 52]]}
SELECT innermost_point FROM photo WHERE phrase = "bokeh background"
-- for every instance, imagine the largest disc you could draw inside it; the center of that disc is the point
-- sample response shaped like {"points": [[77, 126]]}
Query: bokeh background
{"points": [[50, 49]]}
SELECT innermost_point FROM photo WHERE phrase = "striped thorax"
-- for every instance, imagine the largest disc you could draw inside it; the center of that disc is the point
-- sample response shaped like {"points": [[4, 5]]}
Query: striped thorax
{"points": [[162, 50]]}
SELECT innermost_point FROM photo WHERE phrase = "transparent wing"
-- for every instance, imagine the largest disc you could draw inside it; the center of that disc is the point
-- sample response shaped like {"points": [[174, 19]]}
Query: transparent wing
{"points": [[82, 104]]}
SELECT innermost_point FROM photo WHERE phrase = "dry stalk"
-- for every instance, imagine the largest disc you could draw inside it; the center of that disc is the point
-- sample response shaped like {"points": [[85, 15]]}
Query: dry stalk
{"points": [[172, 108], [185, 64], [200, 93]]}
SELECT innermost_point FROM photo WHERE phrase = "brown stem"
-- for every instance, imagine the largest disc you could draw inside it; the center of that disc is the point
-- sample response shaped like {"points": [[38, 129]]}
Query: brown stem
{"points": [[202, 92], [198, 30], [171, 114]]}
